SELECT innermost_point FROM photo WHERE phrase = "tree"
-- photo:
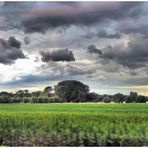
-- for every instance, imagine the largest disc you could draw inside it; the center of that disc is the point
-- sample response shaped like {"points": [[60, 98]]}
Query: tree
{"points": [[36, 93], [128, 99], [5, 97], [120, 98], [20, 93], [71, 90], [92, 97], [48, 91], [141, 99], [106, 99], [133, 96], [23, 93]]}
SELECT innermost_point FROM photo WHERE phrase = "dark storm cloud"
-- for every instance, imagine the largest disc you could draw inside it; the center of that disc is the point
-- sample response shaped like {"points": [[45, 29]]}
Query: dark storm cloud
{"points": [[11, 42], [103, 34], [86, 14], [40, 16], [93, 49], [59, 55], [135, 55], [10, 50]]}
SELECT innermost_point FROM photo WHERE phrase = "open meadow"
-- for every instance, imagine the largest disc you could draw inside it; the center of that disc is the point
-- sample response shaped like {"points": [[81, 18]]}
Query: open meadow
{"points": [[74, 124]]}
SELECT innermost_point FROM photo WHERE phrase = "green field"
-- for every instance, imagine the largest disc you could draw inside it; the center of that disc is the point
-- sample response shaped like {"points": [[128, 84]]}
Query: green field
{"points": [[74, 124]]}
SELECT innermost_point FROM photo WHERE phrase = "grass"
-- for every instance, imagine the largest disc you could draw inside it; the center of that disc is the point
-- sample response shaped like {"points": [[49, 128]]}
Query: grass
{"points": [[74, 124]]}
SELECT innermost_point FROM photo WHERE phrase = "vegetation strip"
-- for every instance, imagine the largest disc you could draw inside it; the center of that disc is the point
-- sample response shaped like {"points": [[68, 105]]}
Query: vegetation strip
{"points": [[74, 124]]}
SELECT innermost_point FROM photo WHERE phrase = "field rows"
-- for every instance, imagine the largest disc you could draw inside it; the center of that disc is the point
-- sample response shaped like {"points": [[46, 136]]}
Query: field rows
{"points": [[74, 124]]}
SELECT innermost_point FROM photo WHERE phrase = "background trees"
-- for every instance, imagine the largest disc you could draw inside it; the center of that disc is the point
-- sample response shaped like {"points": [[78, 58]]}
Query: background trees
{"points": [[92, 97], [119, 98], [106, 99], [36, 93], [141, 99], [132, 97], [48, 91], [68, 91], [71, 90]]}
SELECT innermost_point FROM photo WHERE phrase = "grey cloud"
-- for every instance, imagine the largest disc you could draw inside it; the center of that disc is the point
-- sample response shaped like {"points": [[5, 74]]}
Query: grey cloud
{"points": [[93, 49], [135, 80], [111, 66], [17, 5], [63, 69], [135, 55], [133, 73], [92, 13], [72, 69], [26, 40], [28, 80], [129, 26], [11, 10], [40, 16], [36, 59], [12, 42], [103, 34], [10, 50], [59, 55]]}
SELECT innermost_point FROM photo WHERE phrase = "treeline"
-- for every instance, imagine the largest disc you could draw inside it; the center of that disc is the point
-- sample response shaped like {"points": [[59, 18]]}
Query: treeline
{"points": [[118, 98], [68, 91]]}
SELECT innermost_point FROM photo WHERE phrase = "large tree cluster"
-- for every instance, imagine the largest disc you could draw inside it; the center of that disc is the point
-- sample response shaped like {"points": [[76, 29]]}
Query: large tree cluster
{"points": [[68, 91]]}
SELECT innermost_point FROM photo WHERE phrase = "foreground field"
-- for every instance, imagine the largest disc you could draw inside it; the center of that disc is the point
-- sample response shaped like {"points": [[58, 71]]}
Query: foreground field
{"points": [[83, 124]]}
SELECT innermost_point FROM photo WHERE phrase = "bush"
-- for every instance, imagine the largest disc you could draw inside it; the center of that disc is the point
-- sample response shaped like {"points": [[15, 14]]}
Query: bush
{"points": [[26, 100], [5, 99]]}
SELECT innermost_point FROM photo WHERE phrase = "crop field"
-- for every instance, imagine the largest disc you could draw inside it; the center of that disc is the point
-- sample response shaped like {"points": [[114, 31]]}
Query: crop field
{"points": [[74, 124]]}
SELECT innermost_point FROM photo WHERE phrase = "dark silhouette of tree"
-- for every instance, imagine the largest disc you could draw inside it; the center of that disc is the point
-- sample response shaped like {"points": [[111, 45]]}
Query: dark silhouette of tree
{"points": [[106, 99], [92, 97], [36, 93], [5, 97], [23, 93], [132, 97], [119, 98], [71, 90], [141, 99], [48, 91]]}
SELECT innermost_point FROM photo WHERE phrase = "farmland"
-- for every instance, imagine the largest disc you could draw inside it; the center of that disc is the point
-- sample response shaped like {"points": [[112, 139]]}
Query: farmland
{"points": [[74, 124]]}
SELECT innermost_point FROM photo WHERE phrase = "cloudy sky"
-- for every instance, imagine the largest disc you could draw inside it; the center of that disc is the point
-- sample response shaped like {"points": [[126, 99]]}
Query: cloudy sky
{"points": [[102, 44]]}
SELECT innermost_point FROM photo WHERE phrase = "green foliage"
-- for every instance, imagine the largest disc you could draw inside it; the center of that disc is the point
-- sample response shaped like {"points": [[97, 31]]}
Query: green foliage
{"points": [[106, 99], [74, 124], [92, 97], [141, 99], [71, 90], [120, 98]]}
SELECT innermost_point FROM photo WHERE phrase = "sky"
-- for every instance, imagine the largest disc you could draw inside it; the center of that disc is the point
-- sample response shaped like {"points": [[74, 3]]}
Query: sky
{"points": [[102, 44]]}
